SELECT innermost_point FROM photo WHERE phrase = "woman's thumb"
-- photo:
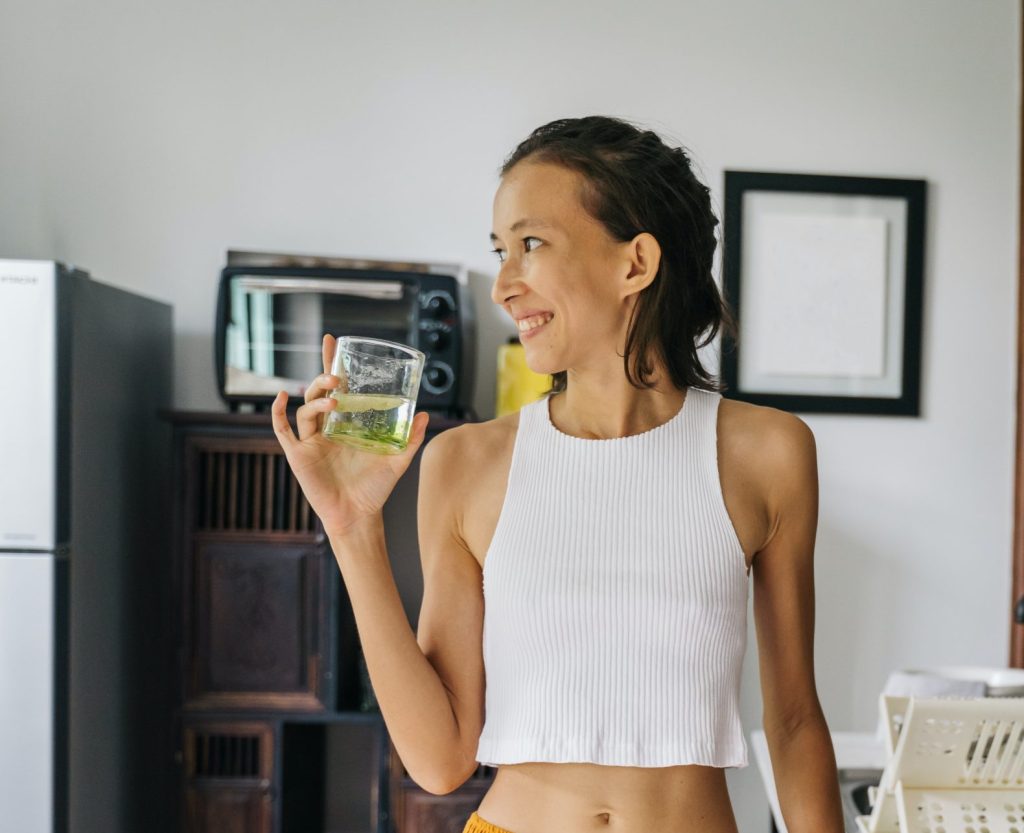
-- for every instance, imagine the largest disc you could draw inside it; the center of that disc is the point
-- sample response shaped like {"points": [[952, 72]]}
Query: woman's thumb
{"points": [[422, 431], [418, 433]]}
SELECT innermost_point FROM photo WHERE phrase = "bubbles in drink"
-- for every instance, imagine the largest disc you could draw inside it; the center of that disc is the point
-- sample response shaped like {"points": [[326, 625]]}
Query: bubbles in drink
{"points": [[371, 421]]}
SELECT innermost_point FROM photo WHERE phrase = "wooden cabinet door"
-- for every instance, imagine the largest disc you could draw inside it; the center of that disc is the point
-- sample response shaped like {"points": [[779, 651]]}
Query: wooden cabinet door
{"points": [[228, 777], [258, 624], [227, 810]]}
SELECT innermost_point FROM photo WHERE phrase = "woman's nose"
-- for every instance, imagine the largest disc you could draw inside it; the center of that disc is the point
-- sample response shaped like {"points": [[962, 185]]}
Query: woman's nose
{"points": [[504, 284]]}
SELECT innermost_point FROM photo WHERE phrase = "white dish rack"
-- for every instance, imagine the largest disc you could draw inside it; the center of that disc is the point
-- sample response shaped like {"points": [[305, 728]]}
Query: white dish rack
{"points": [[956, 765]]}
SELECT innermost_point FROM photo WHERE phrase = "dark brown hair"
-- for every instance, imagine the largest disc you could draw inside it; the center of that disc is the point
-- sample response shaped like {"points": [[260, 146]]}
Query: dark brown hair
{"points": [[636, 183]]}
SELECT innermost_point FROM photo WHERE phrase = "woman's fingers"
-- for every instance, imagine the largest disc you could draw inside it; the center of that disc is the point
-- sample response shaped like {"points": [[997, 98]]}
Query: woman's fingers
{"points": [[279, 419], [307, 417], [327, 348], [320, 385]]}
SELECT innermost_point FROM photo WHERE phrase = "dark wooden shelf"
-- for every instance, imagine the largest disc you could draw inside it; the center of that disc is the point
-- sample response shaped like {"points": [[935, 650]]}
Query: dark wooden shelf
{"points": [[438, 421], [287, 716]]}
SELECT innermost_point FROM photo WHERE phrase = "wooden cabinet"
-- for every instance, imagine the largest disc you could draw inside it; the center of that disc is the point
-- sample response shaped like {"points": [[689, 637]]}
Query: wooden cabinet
{"points": [[276, 723]]}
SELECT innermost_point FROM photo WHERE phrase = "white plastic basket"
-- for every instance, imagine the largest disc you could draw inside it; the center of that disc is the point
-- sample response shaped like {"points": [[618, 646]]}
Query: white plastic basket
{"points": [[955, 766]]}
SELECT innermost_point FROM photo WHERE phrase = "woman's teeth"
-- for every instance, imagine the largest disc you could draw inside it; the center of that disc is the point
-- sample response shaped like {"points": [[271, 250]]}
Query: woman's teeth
{"points": [[534, 321]]}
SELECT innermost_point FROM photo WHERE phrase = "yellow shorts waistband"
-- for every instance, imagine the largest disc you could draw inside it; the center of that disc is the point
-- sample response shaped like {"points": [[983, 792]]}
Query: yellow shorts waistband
{"points": [[479, 825]]}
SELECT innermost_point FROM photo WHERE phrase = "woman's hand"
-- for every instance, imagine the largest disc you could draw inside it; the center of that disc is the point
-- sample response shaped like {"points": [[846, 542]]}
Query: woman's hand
{"points": [[342, 484]]}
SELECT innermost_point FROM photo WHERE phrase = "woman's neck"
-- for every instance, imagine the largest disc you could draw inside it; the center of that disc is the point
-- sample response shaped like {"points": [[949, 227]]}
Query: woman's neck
{"points": [[602, 412]]}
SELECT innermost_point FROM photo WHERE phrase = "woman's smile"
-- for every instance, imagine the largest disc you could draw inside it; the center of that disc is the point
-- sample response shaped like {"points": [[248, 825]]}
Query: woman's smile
{"points": [[529, 327]]}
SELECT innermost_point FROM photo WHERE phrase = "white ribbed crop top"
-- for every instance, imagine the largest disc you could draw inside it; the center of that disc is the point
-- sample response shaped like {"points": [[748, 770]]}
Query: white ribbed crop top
{"points": [[615, 599]]}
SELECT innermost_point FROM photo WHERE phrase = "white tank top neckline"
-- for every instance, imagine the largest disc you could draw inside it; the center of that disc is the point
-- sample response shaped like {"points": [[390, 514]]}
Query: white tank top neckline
{"points": [[663, 427]]}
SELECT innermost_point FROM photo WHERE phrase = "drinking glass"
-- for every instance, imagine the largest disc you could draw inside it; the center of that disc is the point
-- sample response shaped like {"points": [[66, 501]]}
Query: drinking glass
{"points": [[376, 398]]}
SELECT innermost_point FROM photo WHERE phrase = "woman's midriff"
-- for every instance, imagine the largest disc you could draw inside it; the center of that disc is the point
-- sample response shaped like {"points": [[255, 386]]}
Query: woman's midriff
{"points": [[579, 798]]}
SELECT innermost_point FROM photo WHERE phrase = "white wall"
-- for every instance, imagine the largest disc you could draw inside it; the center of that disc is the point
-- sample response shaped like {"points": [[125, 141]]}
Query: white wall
{"points": [[142, 142]]}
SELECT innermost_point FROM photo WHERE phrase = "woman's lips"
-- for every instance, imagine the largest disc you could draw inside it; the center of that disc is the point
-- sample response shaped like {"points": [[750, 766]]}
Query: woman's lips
{"points": [[532, 331]]}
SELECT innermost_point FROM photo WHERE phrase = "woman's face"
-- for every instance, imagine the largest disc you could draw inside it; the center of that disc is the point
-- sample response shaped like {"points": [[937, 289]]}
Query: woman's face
{"points": [[558, 261]]}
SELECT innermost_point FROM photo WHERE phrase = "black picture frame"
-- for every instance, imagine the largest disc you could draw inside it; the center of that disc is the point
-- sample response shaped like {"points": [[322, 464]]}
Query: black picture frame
{"points": [[814, 242]]}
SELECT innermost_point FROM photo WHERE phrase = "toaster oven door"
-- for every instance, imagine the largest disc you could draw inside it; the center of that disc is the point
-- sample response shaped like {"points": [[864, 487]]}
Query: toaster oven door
{"points": [[275, 326]]}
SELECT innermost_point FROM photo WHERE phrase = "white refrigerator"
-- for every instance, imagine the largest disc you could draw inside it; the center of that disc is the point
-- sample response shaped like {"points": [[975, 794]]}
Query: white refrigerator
{"points": [[85, 369]]}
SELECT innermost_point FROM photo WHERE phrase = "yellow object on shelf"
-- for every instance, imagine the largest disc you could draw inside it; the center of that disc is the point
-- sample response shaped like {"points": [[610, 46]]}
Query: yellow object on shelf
{"points": [[517, 384]]}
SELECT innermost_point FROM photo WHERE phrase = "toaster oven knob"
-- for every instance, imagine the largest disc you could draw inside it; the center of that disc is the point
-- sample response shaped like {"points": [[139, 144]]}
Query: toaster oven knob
{"points": [[438, 306], [437, 377], [436, 339]]}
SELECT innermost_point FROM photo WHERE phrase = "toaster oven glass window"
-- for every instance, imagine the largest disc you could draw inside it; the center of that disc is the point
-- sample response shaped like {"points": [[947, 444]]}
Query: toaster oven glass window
{"points": [[276, 325]]}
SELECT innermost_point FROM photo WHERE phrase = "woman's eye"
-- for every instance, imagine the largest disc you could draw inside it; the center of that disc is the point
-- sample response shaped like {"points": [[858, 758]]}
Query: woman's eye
{"points": [[500, 254], [526, 242]]}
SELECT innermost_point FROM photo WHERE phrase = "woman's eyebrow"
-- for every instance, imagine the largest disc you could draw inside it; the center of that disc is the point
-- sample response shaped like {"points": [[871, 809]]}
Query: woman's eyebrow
{"points": [[526, 221]]}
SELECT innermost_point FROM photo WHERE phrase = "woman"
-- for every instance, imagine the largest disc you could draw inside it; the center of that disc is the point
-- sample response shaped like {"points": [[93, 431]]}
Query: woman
{"points": [[611, 527]]}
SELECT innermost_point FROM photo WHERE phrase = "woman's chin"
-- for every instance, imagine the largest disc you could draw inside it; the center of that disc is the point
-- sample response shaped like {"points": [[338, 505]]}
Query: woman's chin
{"points": [[543, 369], [541, 362]]}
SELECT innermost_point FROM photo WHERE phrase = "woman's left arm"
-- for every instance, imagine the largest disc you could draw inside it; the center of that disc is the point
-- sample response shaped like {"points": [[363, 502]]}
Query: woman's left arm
{"points": [[799, 742]]}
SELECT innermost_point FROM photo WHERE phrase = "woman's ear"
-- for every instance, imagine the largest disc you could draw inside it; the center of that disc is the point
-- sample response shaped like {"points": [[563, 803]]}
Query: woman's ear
{"points": [[643, 255]]}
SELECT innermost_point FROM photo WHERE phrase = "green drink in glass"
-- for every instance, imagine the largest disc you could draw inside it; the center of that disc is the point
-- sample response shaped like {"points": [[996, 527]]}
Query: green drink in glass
{"points": [[376, 399]]}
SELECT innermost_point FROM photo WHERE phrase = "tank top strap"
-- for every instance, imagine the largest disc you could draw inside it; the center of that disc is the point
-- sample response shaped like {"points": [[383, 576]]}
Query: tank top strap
{"points": [[533, 416], [703, 421], [703, 428]]}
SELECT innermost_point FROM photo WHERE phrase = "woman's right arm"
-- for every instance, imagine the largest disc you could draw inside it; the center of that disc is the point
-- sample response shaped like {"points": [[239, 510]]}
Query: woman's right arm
{"points": [[431, 698], [430, 687]]}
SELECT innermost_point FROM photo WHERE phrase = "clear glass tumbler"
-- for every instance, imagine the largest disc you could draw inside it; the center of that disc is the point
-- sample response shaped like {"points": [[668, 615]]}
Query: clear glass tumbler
{"points": [[376, 398]]}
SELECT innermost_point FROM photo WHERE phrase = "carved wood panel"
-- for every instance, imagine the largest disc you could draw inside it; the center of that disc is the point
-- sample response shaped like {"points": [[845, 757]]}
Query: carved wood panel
{"points": [[258, 623], [244, 484]]}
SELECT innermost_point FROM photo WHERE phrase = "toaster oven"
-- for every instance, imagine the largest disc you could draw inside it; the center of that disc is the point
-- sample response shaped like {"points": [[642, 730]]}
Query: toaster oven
{"points": [[273, 310]]}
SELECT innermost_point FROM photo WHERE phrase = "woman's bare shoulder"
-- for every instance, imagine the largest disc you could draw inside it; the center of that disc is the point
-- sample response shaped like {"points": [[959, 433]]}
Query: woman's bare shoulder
{"points": [[471, 440], [472, 445], [472, 470], [768, 442], [755, 426]]}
